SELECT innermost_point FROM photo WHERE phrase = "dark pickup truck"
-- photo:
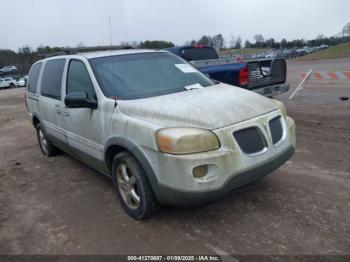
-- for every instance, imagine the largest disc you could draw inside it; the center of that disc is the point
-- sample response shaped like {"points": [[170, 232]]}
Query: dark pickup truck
{"points": [[264, 76]]}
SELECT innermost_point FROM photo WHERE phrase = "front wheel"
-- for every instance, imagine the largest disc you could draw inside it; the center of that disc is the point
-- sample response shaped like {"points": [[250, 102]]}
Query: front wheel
{"points": [[11, 85], [133, 188]]}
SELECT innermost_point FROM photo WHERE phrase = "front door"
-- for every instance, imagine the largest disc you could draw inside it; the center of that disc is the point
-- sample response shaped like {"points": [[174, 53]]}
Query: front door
{"points": [[82, 125]]}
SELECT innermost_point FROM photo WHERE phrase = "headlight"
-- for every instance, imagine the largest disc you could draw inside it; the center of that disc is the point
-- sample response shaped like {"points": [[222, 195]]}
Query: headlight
{"points": [[186, 140], [281, 106]]}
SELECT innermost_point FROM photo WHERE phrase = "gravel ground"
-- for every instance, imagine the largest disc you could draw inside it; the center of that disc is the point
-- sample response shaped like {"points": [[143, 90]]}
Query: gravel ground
{"points": [[60, 206]]}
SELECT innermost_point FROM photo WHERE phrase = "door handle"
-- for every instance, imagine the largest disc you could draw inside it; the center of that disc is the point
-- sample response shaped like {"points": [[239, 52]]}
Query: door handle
{"points": [[58, 109], [65, 113]]}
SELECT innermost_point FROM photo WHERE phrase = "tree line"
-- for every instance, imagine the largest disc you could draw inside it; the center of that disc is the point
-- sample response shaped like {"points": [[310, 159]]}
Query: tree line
{"points": [[26, 56], [219, 42]]}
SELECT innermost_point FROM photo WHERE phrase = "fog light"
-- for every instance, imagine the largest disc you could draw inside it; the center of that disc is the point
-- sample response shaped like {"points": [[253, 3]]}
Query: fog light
{"points": [[200, 171]]}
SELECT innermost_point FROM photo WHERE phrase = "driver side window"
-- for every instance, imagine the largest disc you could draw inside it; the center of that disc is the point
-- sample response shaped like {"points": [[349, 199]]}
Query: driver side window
{"points": [[78, 79]]}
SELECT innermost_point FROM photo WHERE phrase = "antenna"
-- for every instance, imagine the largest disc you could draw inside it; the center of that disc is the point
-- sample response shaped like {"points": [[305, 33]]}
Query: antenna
{"points": [[110, 32]]}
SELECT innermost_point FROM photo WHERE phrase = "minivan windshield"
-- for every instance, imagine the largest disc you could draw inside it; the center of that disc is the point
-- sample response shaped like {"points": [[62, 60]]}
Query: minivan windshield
{"points": [[143, 75]]}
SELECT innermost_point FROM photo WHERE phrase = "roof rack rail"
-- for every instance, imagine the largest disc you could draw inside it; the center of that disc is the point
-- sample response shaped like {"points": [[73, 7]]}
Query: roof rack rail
{"points": [[76, 50]]}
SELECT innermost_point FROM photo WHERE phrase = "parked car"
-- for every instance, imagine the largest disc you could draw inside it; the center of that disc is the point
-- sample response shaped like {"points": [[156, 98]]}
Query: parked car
{"points": [[160, 129], [7, 83], [263, 76], [301, 52], [8, 70], [22, 81], [271, 55], [289, 53]]}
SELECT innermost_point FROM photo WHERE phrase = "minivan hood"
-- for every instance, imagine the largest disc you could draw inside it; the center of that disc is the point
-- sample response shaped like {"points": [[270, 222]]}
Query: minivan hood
{"points": [[210, 107]]}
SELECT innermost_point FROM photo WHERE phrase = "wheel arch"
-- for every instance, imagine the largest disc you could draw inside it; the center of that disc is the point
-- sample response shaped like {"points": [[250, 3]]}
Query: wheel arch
{"points": [[36, 119], [116, 145]]}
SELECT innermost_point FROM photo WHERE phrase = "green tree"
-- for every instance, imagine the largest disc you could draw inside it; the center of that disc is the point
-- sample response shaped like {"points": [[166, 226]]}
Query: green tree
{"points": [[205, 40], [156, 44]]}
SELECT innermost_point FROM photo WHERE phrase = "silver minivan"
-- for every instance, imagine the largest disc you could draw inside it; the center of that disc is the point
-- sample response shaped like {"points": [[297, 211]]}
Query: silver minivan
{"points": [[164, 132]]}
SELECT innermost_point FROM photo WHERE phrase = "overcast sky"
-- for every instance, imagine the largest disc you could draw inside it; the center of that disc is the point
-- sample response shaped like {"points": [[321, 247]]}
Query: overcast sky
{"points": [[68, 22]]}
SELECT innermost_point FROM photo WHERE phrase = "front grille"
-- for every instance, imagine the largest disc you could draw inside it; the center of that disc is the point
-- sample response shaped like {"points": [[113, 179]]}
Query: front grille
{"points": [[266, 72], [276, 129], [250, 140]]}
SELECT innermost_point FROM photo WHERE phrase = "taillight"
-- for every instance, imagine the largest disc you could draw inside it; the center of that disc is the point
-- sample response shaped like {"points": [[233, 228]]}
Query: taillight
{"points": [[25, 100], [198, 46], [244, 76]]}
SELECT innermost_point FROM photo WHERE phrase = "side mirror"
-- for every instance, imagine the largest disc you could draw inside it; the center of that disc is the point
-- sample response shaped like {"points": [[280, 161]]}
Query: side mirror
{"points": [[79, 100]]}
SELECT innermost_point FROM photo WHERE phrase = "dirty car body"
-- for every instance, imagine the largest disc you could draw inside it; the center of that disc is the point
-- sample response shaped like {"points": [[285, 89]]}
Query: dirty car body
{"points": [[193, 140]]}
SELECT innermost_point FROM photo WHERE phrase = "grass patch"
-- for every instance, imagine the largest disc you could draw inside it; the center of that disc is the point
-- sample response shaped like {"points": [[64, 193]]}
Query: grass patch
{"points": [[338, 51]]}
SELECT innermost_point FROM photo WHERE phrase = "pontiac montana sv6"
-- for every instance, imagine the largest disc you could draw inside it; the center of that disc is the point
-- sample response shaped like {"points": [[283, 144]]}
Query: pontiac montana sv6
{"points": [[160, 129]]}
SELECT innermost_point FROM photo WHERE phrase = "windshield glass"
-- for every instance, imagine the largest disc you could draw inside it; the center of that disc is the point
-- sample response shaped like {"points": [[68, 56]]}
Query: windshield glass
{"points": [[144, 75]]}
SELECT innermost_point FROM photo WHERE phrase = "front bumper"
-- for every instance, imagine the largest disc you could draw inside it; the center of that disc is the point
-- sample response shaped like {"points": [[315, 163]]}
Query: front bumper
{"points": [[271, 91], [228, 168], [176, 197]]}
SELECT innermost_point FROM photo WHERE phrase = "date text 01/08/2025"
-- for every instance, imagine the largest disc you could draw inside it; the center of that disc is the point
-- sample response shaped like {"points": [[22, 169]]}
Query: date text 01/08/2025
{"points": [[175, 258]]}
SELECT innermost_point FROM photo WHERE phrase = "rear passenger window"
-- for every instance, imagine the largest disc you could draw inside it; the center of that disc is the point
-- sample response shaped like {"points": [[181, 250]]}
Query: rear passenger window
{"points": [[78, 79], [52, 78]]}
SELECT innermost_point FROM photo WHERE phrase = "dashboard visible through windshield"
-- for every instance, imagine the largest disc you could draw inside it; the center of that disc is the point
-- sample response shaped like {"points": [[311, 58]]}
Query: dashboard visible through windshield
{"points": [[143, 75]]}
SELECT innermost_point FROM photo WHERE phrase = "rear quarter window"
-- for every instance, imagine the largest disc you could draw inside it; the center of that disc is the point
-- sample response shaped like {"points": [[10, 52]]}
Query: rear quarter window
{"points": [[203, 53], [34, 77], [52, 78]]}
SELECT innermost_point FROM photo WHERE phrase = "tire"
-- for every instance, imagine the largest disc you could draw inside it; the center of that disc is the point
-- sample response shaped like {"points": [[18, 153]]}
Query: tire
{"points": [[46, 147], [131, 183], [11, 85]]}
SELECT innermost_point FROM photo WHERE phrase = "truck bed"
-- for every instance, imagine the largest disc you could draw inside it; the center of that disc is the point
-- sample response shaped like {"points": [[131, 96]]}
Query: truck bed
{"points": [[262, 73], [264, 76]]}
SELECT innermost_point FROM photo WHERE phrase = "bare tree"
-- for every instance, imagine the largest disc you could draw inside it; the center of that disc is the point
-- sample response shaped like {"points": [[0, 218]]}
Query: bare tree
{"points": [[346, 29], [238, 44], [232, 42], [135, 44], [270, 42], [218, 41], [259, 38], [80, 44]]}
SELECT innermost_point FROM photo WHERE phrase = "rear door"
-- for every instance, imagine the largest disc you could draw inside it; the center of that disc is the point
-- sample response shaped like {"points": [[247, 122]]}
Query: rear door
{"points": [[32, 95], [82, 125], [51, 102]]}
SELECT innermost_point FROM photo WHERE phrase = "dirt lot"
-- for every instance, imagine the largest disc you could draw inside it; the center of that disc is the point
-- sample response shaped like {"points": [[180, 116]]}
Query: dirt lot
{"points": [[59, 206]]}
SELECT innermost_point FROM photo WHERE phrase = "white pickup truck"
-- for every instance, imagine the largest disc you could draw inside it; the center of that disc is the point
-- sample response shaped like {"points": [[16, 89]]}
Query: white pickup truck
{"points": [[7, 82]]}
